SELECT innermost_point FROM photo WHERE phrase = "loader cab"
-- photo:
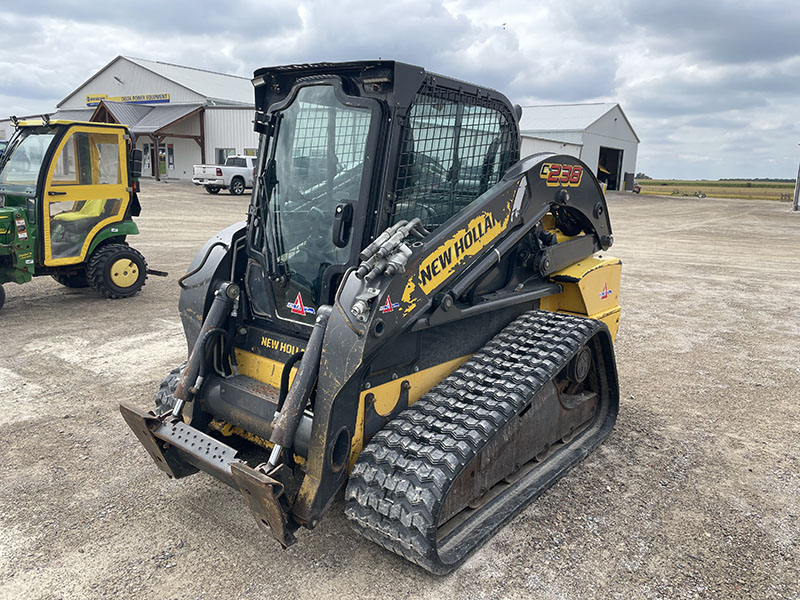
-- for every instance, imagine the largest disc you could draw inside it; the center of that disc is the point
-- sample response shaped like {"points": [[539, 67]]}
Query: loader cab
{"points": [[349, 149], [73, 180]]}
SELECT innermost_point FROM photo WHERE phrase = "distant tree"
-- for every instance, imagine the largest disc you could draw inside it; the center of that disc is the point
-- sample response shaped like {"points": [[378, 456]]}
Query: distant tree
{"points": [[642, 176]]}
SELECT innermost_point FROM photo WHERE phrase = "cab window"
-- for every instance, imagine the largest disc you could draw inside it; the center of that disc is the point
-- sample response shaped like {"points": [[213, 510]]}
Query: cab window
{"points": [[88, 159]]}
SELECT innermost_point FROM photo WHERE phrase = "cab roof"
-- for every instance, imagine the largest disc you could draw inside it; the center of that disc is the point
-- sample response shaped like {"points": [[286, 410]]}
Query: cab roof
{"points": [[64, 122]]}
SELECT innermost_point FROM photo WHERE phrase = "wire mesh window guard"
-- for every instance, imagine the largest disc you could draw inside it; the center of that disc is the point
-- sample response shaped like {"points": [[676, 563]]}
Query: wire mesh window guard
{"points": [[454, 148]]}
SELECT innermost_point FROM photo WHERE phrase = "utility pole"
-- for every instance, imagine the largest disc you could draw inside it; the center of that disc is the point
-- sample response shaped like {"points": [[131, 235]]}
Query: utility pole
{"points": [[796, 203]]}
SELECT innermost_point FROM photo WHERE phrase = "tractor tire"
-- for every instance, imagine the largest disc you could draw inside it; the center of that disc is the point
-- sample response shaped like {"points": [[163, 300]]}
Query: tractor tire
{"points": [[117, 270], [2, 296], [212, 189], [72, 280], [165, 399], [237, 186]]}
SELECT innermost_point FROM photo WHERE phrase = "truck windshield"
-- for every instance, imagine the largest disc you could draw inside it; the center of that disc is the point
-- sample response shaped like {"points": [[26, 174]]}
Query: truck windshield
{"points": [[319, 155], [23, 158]]}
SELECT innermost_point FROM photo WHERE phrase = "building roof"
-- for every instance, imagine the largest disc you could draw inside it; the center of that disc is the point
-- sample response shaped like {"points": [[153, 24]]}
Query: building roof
{"points": [[218, 88], [76, 114], [215, 86], [127, 114], [161, 116], [143, 119], [566, 117]]}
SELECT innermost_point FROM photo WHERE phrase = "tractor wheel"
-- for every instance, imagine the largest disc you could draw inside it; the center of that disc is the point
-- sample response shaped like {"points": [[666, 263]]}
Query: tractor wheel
{"points": [[237, 186], [72, 280], [117, 270], [2, 296], [212, 189]]}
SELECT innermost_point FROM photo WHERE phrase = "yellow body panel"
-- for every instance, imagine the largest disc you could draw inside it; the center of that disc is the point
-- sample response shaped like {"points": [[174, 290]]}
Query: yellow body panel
{"points": [[387, 396], [261, 368], [590, 289]]}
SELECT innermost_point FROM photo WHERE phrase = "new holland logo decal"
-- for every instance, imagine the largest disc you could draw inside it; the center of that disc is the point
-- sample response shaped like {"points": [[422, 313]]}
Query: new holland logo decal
{"points": [[298, 308], [454, 253]]}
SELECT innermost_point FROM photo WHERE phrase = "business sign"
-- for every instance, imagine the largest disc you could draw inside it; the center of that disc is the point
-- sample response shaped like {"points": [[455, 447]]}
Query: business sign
{"points": [[94, 99]]}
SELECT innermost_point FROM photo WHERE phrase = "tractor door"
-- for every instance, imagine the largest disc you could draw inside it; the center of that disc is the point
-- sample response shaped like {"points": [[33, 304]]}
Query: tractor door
{"points": [[85, 190]]}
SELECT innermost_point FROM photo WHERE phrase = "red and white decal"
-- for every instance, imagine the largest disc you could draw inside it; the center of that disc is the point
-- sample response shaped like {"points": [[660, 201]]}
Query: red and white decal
{"points": [[606, 292], [298, 308], [389, 306]]}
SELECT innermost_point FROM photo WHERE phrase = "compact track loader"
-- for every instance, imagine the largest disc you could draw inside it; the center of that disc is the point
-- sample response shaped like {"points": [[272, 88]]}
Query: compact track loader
{"points": [[67, 202], [410, 313]]}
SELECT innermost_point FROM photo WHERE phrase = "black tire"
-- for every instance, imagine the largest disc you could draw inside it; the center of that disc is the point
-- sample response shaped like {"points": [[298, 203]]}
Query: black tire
{"points": [[117, 270], [72, 280], [165, 398], [212, 189], [165, 401], [2, 296], [237, 186]]}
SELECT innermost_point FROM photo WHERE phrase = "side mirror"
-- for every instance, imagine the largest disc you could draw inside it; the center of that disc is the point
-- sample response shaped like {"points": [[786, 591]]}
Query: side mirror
{"points": [[136, 163], [342, 223]]}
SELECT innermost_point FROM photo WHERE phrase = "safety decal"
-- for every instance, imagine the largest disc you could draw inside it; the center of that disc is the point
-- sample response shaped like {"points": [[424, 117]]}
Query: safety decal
{"points": [[389, 306], [561, 175], [298, 308], [606, 292]]}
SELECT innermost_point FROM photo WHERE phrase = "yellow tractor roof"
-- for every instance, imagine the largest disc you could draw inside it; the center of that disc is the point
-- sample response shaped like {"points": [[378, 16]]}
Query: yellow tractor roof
{"points": [[53, 122]]}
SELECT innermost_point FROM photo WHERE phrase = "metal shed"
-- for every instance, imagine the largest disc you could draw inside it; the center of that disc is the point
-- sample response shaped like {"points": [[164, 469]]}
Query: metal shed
{"points": [[598, 133]]}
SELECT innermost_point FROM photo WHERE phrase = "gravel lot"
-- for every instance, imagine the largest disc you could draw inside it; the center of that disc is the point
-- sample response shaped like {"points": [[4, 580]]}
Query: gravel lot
{"points": [[695, 494]]}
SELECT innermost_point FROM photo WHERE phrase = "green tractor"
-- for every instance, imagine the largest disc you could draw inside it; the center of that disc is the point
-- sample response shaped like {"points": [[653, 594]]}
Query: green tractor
{"points": [[67, 198]]}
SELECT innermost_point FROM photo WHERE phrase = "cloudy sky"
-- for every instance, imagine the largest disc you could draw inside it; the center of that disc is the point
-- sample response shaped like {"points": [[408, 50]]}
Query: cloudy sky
{"points": [[712, 87]]}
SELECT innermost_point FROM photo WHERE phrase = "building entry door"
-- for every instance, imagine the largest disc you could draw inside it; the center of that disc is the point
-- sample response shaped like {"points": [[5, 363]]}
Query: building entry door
{"points": [[609, 167]]}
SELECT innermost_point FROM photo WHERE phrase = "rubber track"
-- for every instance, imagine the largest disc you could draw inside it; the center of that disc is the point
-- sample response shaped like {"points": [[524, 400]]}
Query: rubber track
{"points": [[398, 484]]}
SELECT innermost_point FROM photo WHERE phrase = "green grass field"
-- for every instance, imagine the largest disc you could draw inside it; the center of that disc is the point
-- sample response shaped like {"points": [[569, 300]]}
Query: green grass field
{"points": [[751, 190]]}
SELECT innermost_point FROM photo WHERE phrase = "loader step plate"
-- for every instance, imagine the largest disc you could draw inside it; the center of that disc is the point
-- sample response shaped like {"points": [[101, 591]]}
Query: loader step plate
{"points": [[448, 472]]}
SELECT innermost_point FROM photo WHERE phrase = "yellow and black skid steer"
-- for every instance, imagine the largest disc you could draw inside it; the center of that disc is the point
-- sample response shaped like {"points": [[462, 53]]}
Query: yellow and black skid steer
{"points": [[410, 312]]}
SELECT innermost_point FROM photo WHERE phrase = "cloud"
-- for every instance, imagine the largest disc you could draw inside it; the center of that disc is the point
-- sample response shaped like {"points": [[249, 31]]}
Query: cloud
{"points": [[705, 84]]}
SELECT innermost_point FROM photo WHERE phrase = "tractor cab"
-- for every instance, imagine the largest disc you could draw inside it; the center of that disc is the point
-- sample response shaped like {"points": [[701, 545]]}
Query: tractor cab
{"points": [[66, 190]]}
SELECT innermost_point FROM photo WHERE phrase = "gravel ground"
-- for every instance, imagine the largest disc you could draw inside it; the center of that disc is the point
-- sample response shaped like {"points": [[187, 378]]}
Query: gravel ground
{"points": [[695, 495]]}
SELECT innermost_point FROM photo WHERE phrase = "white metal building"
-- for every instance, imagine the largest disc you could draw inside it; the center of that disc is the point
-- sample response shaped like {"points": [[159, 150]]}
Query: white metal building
{"points": [[599, 134], [181, 116]]}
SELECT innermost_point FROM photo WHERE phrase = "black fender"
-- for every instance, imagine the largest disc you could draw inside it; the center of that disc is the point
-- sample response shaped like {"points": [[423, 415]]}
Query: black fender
{"points": [[197, 289]]}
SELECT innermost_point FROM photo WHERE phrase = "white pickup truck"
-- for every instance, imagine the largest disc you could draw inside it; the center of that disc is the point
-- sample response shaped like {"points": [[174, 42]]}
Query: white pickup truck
{"points": [[236, 174]]}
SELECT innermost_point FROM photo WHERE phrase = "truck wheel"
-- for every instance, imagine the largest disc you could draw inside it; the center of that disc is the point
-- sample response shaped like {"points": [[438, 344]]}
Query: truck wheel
{"points": [[212, 189], [117, 270], [72, 280], [237, 186], [2, 296]]}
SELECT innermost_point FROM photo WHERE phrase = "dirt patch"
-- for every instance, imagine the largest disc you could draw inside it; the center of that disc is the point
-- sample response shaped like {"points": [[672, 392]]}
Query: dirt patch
{"points": [[695, 494]]}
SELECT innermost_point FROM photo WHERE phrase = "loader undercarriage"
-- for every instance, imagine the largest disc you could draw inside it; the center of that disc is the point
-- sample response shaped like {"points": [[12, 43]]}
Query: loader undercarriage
{"points": [[445, 475]]}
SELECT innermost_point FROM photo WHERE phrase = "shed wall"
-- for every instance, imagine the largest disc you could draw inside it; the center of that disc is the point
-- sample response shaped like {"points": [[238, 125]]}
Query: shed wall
{"points": [[229, 128], [532, 145]]}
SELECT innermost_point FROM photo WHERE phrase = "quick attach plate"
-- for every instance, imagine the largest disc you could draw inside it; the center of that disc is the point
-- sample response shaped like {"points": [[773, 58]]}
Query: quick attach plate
{"points": [[180, 450]]}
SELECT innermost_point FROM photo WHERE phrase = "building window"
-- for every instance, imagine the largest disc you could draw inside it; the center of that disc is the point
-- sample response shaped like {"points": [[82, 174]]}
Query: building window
{"points": [[250, 151], [222, 153]]}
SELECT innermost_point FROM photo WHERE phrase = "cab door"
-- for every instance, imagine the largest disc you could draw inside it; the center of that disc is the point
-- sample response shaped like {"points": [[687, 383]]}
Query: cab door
{"points": [[85, 190]]}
